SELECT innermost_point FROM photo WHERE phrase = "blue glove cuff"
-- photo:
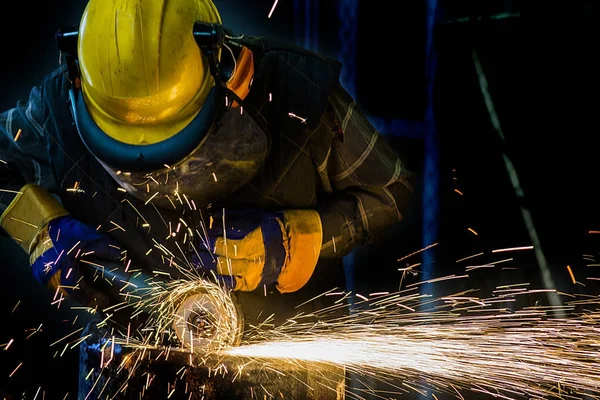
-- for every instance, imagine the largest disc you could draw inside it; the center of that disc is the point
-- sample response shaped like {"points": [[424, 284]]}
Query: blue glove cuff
{"points": [[275, 241]]}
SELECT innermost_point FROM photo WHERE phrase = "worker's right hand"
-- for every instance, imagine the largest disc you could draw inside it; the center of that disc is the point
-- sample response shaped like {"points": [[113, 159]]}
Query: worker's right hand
{"points": [[58, 253]]}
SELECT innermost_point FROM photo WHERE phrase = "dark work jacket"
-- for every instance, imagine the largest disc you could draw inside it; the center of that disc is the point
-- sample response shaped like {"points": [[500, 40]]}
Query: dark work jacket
{"points": [[98, 202]]}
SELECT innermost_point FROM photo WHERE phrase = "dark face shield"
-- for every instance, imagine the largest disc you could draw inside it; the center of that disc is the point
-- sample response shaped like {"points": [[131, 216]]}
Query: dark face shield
{"points": [[203, 163]]}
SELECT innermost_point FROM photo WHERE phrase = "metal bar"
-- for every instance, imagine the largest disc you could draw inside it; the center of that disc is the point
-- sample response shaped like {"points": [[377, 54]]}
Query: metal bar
{"points": [[545, 272], [172, 374], [298, 23], [314, 44], [482, 18], [348, 15], [307, 24], [508, 15], [431, 167]]}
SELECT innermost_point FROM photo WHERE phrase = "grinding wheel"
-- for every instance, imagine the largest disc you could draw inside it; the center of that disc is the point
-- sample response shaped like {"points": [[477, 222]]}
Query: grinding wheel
{"points": [[205, 322]]}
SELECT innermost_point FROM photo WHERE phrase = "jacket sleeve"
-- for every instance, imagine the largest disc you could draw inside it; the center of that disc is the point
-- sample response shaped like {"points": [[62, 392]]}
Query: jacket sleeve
{"points": [[23, 150], [367, 187]]}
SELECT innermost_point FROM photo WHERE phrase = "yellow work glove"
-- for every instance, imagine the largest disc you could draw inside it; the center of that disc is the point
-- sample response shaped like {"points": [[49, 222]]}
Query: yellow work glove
{"points": [[252, 248]]}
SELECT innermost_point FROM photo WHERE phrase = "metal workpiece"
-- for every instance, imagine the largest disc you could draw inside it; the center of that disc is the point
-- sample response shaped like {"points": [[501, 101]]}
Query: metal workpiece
{"points": [[182, 350], [149, 374]]}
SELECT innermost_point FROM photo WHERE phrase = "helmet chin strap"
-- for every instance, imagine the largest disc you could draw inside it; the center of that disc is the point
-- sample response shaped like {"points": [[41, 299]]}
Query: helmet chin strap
{"points": [[210, 39], [66, 39]]}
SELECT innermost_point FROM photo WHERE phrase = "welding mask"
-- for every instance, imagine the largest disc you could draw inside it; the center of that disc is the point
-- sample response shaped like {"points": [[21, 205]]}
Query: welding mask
{"points": [[150, 100]]}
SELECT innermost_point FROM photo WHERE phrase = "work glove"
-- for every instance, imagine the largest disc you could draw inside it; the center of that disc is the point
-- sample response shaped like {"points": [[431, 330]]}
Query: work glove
{"points": [[57, 244], [254, 248]]}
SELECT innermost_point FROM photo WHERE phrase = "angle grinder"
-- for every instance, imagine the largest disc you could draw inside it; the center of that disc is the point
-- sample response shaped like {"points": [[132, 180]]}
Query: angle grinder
{"points": [[203, 316]]}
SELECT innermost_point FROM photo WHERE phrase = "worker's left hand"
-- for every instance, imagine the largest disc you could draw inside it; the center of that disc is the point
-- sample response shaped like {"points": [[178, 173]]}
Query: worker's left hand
{"points": [[253, 248]]}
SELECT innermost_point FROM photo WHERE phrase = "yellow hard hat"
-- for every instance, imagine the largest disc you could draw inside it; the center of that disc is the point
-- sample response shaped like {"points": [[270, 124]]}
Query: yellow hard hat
{"points": [[143, 76]]}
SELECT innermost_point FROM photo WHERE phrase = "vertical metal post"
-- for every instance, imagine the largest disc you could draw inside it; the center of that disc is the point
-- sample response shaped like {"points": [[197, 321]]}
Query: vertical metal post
{"points": [[314, 44], [347, 13], [306, 23], [298, 22], [431, 165], [545, 272]]}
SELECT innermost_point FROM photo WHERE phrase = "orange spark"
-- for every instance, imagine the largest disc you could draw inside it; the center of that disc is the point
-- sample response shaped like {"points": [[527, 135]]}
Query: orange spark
{"points": [[571, 273], [15, 370]]}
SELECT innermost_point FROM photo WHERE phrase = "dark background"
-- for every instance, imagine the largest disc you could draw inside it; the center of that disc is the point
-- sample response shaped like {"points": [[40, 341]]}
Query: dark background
{"points": [[540, 61]]}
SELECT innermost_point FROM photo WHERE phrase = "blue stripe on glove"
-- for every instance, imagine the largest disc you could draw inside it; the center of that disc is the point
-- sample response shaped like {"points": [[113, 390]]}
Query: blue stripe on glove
{"points": [[68, 241], [249, 253]]}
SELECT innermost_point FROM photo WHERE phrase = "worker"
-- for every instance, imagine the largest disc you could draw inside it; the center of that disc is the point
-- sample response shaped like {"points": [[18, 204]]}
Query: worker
{"points": [[164, 140]]}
